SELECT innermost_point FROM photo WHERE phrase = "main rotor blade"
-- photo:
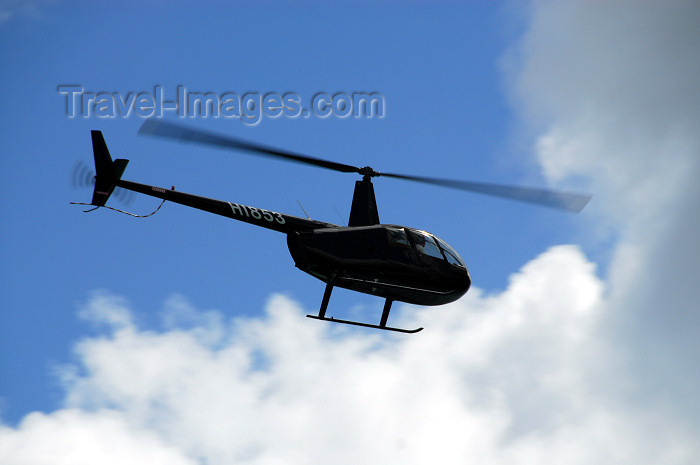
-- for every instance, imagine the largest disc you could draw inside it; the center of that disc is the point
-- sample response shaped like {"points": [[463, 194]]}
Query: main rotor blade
{"points": [[555, 199], [549, 198], [175, 131]]}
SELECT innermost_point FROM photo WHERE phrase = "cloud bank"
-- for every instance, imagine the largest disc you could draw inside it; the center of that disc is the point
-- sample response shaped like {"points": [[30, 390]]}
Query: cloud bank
{"points": [[612, 89], [518, 377]]}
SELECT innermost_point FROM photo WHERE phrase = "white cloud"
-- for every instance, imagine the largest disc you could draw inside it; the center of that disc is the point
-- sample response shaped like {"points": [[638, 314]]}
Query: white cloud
{"points": [[79, 437], [612, 90], [517, 377]]}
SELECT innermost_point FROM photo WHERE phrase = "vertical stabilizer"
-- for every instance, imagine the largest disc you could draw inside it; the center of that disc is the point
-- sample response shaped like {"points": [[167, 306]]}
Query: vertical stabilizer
{"points": [[108, 171]]}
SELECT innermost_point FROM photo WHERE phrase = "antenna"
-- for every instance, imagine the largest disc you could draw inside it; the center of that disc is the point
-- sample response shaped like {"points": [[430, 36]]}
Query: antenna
{"points": [[342, 221], [307, 215]]}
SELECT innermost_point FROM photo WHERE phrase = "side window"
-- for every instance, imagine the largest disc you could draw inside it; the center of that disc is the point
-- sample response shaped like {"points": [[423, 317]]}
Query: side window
{"points": [[425, 245], [397, 238]]}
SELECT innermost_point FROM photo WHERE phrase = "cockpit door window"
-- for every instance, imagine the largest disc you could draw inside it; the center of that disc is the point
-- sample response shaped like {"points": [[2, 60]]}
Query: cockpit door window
{"points": [[397, 238], [425, 245]]}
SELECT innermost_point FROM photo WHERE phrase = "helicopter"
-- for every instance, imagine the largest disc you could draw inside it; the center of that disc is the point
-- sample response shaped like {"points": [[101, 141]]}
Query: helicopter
{"points": [[394, 262]]}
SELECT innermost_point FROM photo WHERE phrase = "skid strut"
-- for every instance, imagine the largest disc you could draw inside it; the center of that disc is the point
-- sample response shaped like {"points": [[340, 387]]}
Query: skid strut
{"points": [[382, 323]]}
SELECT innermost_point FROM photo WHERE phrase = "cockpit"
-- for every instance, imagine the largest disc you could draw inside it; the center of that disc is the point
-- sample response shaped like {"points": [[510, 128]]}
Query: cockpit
{"points": [[424, 243]]}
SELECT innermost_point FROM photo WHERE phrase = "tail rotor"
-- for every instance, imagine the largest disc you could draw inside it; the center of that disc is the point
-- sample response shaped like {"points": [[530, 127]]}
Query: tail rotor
{"points": [[82, 176]]}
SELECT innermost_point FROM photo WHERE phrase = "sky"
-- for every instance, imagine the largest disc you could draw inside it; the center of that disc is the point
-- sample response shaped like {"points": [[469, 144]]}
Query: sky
{"points": [[181, 338]]}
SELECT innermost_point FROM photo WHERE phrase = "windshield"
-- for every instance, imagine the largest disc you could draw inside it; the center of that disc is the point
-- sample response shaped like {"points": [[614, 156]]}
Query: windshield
{"points": [[427, 244], [450, 254]]}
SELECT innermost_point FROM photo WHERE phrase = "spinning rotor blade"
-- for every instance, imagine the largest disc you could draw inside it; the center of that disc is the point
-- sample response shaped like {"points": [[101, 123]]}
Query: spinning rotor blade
{"points": [[83, 176], [545, 197], [175, 131], [548, 198], [124, 196]]}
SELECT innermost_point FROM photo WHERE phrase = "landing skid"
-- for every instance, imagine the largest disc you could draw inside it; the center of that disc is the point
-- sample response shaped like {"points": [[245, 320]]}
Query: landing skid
{"points": [[366, 325], [382, 323]]}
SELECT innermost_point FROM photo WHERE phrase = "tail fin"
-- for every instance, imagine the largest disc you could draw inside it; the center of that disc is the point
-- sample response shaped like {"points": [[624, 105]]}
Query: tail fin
{"points": [[108, 171]]}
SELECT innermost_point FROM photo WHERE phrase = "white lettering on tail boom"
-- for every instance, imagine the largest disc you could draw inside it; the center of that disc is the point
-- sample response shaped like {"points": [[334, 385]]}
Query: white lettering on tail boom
{"points": [[256, 213]]}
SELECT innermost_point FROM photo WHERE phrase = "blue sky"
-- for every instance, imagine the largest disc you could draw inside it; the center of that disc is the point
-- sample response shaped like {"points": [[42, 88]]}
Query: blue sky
{"points": [[489, 92]]}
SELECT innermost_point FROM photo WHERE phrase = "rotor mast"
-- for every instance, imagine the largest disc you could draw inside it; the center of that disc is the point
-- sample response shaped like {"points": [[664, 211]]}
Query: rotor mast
{"points": [[364, 210]]}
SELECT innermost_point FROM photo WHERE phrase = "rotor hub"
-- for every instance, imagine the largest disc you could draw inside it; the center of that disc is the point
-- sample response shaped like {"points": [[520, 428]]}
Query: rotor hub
{"points": [[368, 172]]}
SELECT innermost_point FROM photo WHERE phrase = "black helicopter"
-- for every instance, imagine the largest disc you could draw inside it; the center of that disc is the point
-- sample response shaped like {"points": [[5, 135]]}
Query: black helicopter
{"points": [[389, 261]]}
